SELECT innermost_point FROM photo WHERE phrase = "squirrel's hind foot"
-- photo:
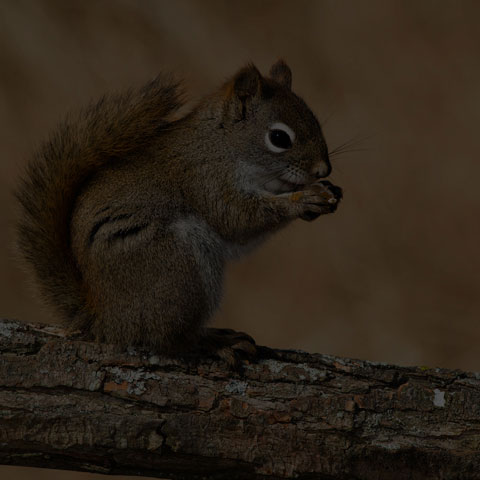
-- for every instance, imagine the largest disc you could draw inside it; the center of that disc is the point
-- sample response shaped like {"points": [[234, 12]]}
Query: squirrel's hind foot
{"points": [[231, 346]]}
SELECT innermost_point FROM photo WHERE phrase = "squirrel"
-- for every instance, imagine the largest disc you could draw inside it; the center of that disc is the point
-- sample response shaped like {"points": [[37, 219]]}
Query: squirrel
{"points": [[129, 215]]}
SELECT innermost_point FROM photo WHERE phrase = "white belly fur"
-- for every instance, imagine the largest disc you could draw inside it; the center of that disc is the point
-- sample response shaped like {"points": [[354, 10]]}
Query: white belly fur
{"points": [[210, 252]]}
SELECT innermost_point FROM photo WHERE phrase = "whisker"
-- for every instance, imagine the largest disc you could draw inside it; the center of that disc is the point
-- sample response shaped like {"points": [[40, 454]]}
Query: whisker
{"points": [[290, 177], [273, 175], [347, 144], [348, 150], [346, 147], [328, 117]]}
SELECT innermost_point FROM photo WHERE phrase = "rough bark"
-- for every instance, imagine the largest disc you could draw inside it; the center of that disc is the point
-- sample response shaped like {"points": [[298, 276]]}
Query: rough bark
{"points": [[70, 404]]}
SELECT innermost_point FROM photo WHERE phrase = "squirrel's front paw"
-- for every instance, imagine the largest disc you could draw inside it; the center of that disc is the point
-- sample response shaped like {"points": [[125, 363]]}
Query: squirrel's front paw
{"points": [[231, 346], [317, 199]]}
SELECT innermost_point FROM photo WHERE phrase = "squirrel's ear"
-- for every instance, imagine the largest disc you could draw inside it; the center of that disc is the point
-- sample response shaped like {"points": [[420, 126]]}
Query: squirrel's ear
{"points": [[281, 73], [247, 82], [245, 86]]}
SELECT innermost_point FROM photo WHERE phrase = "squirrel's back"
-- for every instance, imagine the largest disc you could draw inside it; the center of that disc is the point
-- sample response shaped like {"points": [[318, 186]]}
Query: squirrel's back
{"points": [[116, 127]]}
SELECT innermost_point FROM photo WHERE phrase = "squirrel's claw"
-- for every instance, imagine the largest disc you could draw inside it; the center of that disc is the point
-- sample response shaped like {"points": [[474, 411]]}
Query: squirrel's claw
{"points": [[231, 346]]}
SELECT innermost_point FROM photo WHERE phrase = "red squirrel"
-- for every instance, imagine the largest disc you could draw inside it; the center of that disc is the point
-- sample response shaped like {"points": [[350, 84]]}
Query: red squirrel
{"points": [[129, 216]]}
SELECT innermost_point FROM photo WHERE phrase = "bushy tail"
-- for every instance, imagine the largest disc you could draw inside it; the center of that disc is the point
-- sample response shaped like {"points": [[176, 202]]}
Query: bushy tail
{"points": [[115, 127]]}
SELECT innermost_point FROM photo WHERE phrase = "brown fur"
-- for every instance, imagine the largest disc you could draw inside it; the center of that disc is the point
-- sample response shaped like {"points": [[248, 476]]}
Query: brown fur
{"points": [[129, 218]]}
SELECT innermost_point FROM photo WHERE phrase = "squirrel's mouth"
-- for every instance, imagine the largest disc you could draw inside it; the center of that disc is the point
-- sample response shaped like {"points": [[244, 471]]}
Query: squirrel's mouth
{"points": [[279, 185]]}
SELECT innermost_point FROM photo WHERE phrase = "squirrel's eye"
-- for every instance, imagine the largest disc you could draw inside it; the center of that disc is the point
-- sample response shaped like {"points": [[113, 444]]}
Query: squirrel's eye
{"points": [[279, 138]]}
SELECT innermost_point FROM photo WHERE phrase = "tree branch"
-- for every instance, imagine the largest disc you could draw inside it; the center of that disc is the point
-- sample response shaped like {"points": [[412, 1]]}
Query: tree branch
{"points": [[75, 405]]}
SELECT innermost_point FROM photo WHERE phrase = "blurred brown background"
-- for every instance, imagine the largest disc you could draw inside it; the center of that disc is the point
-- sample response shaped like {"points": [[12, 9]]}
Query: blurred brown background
{"points": [[392, 276]]}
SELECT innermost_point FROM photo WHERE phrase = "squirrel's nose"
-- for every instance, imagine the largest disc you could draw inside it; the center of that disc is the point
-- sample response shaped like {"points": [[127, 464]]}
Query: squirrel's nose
{"points": [[322, 170]]}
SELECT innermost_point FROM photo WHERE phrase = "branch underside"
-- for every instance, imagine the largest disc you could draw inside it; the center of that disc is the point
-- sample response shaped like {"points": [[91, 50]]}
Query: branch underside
{"points": [[70, 404]]}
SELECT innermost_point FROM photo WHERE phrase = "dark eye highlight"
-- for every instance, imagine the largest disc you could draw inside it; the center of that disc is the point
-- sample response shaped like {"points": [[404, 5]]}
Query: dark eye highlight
{"points": [[280, 139]]}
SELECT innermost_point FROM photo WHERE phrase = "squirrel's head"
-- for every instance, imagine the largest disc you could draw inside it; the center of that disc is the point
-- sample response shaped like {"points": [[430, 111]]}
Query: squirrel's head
{"points": [[273, 130]]}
